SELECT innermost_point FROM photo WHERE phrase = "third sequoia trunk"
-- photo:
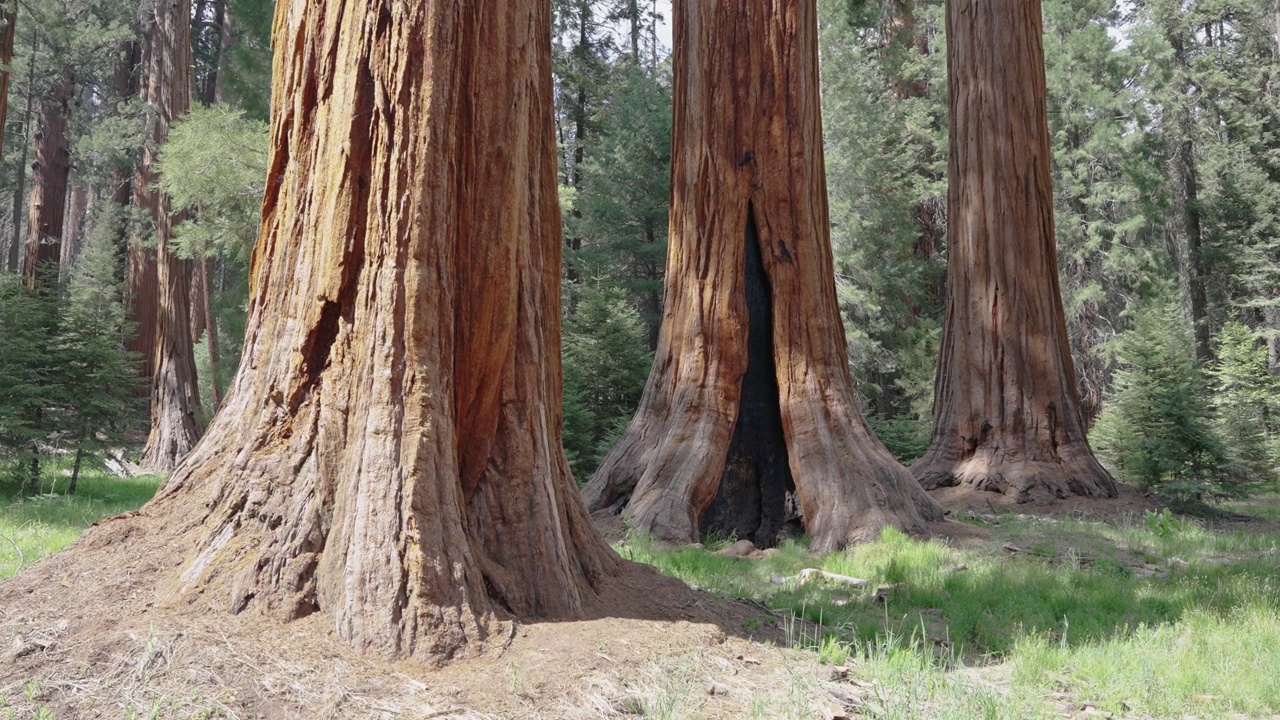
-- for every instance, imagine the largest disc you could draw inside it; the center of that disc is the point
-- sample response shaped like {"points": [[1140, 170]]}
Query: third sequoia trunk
{"points": [[1006, 410], [750, 398]]}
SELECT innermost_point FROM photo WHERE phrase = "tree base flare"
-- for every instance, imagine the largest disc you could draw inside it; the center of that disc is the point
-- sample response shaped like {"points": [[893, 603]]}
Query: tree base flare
{"points": [[1026, 481]]}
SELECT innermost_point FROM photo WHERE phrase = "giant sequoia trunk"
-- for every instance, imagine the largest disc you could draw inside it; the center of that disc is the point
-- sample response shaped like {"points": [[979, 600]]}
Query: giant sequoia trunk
{"points": [[49, 174], [166, 85], [750, 395], [390, 450], [1006, 409]]}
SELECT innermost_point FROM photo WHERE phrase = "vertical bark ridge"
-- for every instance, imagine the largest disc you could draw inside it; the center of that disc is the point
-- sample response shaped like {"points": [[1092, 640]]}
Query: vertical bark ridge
{"points": [[747, 138], [389, 452], [1006, 407]]}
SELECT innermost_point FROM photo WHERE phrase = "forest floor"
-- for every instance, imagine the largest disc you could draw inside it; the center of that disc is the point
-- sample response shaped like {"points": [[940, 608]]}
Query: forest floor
{"points": [[1082, 610]]}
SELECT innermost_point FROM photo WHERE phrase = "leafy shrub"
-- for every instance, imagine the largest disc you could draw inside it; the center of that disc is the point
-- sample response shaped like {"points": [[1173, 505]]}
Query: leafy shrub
{"points": [[1164, 523]]}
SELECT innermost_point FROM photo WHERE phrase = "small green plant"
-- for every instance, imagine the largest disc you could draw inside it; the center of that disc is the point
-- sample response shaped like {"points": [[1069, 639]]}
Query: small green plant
{"points": [[834, 651], [1164, 523]]}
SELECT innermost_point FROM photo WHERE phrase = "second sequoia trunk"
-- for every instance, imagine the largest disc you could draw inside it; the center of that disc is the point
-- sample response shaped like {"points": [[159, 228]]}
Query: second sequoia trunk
{"points": [[1006, 409], [751, 397]]}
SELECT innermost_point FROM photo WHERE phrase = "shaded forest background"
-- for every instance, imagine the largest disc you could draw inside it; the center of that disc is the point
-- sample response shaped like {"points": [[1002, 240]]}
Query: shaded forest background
{"points": [[1165, 123]]}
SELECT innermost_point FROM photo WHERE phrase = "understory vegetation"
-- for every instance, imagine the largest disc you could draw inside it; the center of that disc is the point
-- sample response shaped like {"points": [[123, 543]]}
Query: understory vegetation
{"points": [[34, 526]]}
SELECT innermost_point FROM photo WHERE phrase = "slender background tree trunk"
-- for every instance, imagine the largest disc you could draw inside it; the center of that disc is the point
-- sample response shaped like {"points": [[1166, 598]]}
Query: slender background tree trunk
{"points": [[14, 263], [8, 33], [166, 85], [49, 174]]}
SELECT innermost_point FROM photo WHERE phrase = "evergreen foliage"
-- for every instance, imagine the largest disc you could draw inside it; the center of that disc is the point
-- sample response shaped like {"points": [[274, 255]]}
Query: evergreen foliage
{"points": [[214, 168], [1246, 401], [619, 210], [884, 119], [28, 376], [1157, 430], [98, 375], [67, 385], [606, 364]]}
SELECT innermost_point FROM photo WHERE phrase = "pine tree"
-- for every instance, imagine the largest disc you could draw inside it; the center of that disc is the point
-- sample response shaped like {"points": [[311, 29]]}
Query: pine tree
{"points": [[619, 214], [605, 366], [98, 376], [28, 372]]}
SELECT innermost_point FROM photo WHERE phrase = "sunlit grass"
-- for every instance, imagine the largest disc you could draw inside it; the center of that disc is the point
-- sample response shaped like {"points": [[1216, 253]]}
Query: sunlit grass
{"points": [[33, 527], [1135, 621]]}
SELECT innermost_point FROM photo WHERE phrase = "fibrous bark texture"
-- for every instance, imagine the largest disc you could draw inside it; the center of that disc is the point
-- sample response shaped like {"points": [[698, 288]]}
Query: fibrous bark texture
{"points": [[49, 173], [390, 450], [166, 85], [1006, 409], [725, 414]]}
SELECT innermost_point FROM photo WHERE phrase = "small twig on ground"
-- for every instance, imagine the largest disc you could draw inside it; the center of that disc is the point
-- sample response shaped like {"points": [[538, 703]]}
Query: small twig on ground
{"points": [[22, 559]]}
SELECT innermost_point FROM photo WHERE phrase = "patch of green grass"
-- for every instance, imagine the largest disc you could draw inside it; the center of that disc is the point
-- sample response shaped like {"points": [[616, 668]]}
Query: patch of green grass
{"points": [[33, 527], [1168, 620]]}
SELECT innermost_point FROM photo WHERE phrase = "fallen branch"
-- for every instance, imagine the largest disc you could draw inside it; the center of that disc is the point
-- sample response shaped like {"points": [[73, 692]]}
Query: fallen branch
{"points": [[813, 573], [22, 559]]}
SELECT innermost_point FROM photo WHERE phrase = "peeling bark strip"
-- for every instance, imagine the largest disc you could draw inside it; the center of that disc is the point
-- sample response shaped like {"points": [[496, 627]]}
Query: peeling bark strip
{"points": [[1006, 409], [390, 451], [747, 152], [175, 397]]}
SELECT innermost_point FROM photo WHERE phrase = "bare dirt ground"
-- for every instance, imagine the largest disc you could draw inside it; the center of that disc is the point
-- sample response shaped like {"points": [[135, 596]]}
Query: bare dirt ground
{"points": [[89, 637]]}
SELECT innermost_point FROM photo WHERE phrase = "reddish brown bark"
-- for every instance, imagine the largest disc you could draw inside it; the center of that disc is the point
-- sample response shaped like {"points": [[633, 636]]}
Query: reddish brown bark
{"points": [[1006, 409], [390, 450], [747, 166], [50, 171], [8, 25], [166, 85], [13, 261], [79, 205]]}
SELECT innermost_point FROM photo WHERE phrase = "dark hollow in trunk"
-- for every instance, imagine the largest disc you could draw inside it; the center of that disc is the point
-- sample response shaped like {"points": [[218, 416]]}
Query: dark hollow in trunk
{"points": [[747, 149], [751, 503]]}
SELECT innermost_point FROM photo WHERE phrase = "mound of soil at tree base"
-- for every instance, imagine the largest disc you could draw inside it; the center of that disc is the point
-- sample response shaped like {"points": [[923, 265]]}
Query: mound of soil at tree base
{"points": [[962, 501], [91, 637]]}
